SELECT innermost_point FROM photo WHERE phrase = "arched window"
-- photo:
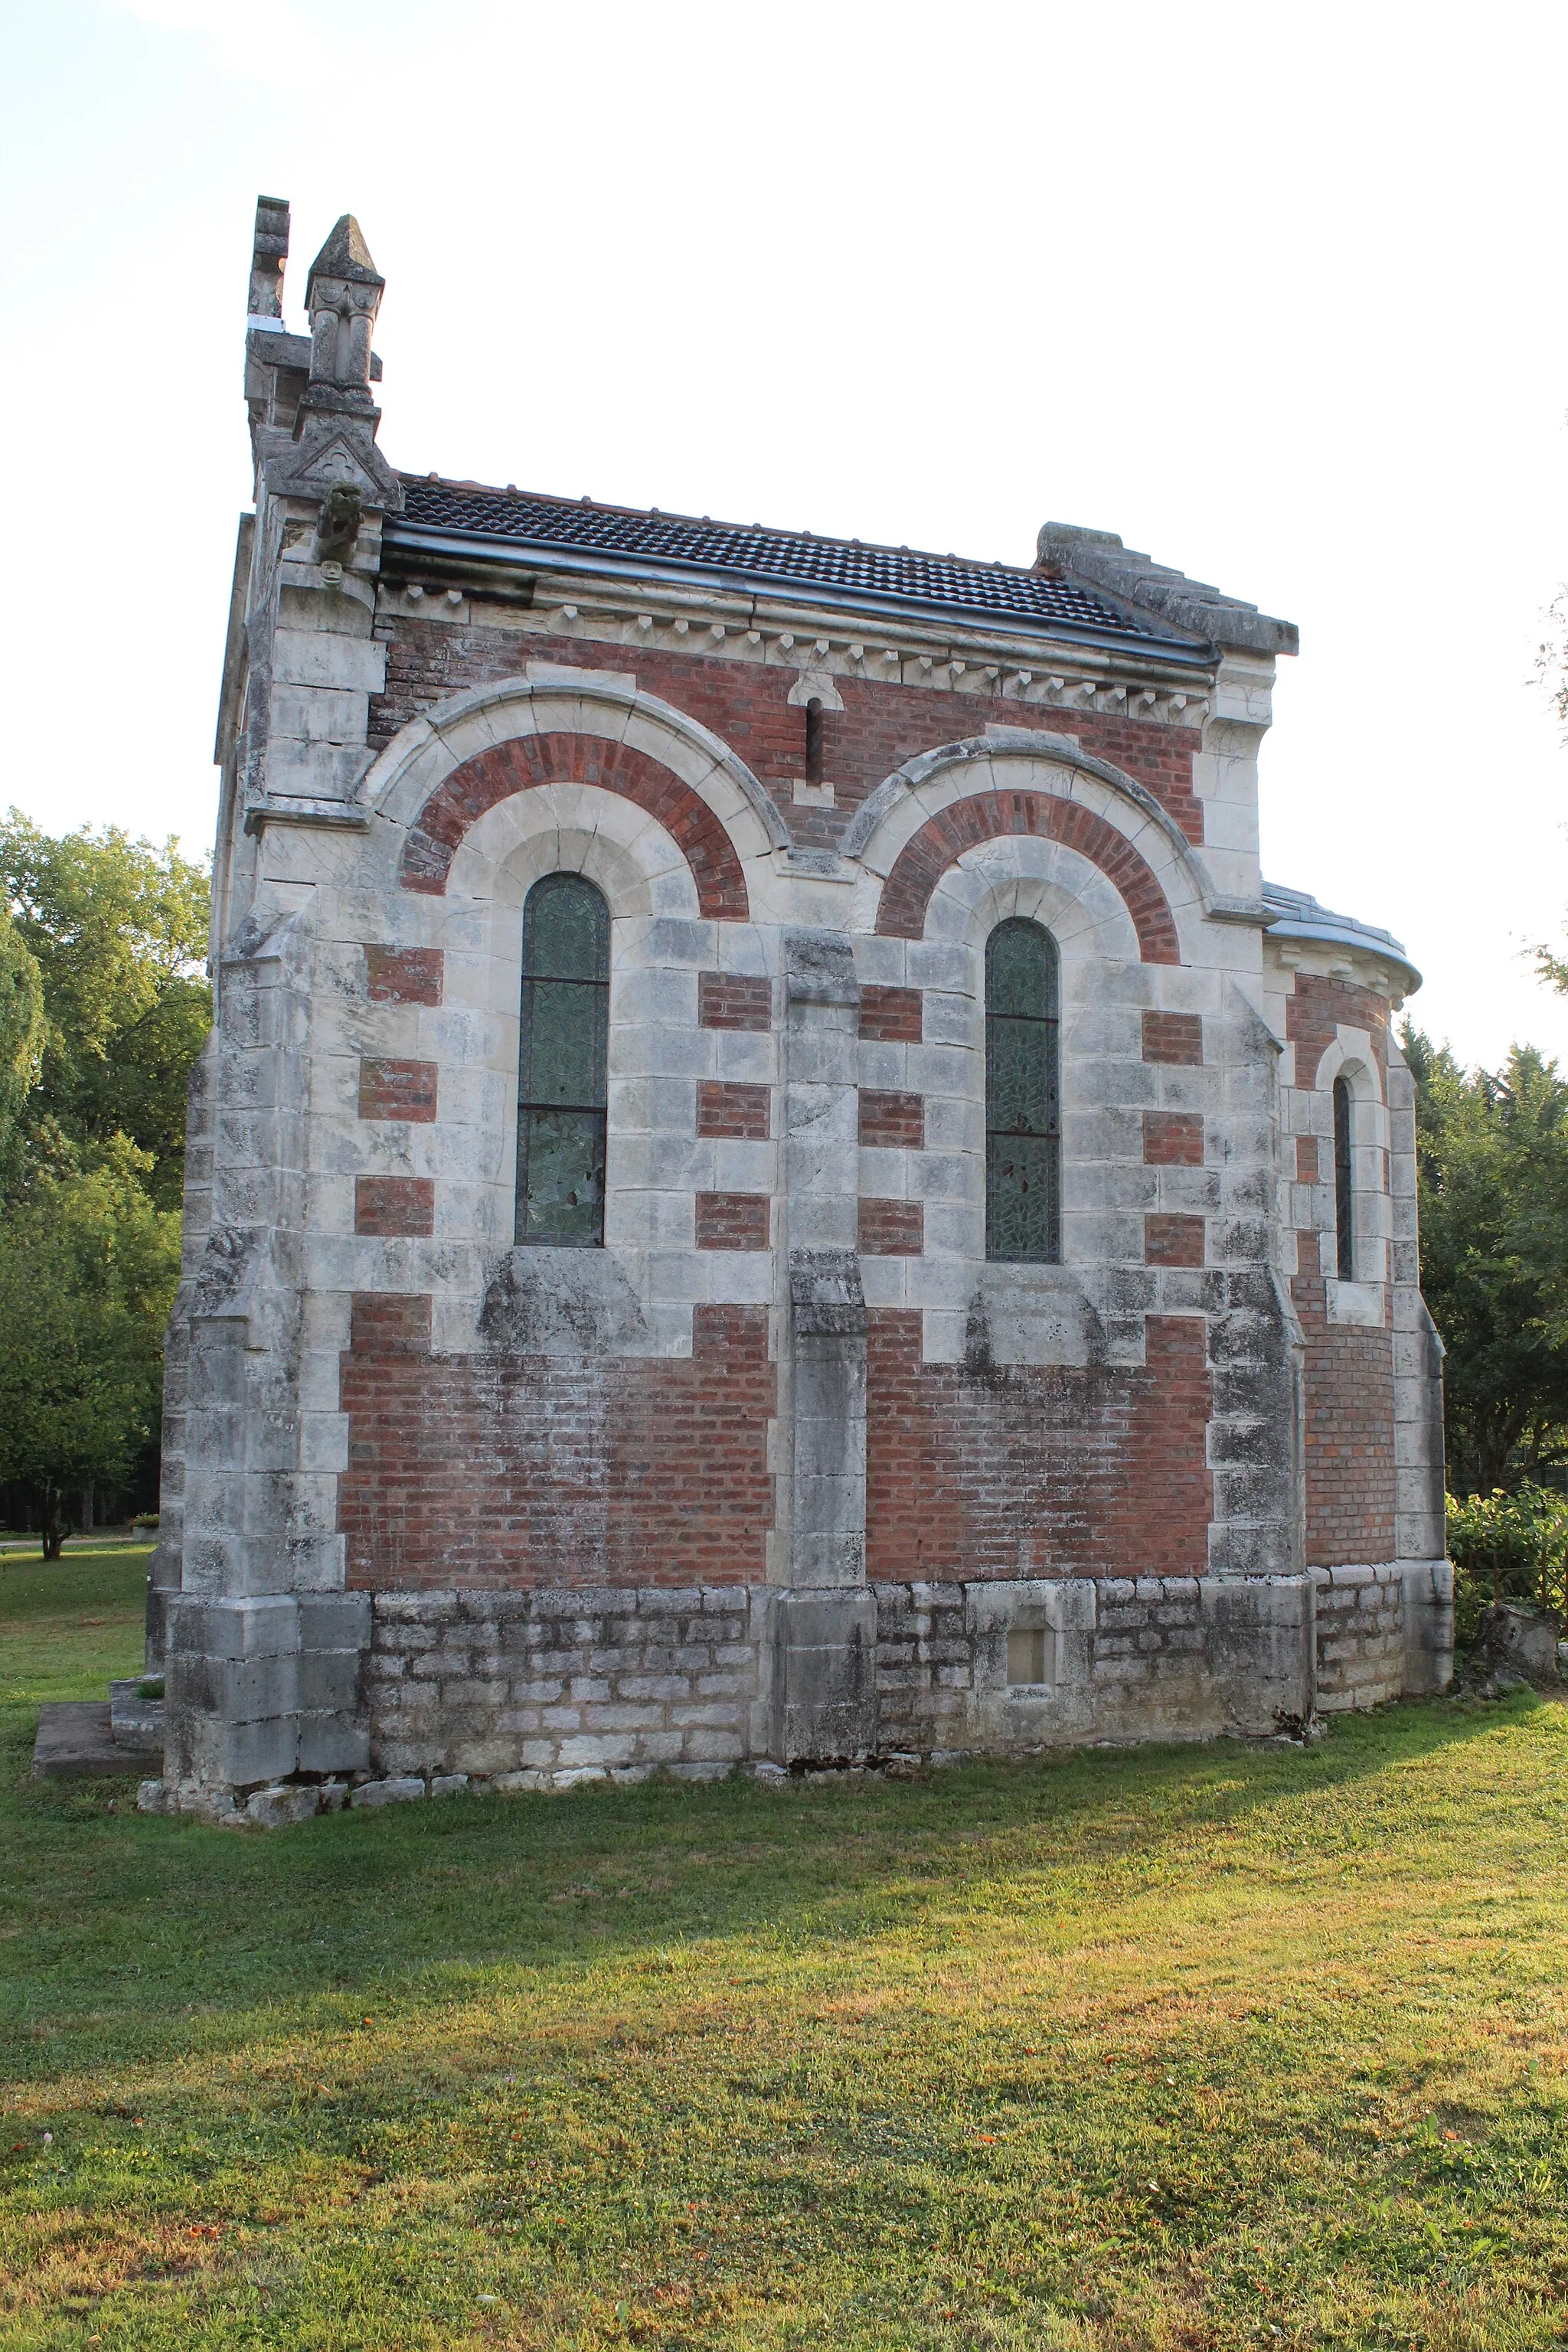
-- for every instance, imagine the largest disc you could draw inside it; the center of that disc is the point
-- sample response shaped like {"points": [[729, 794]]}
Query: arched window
{"points": [[1344, 1201], [1023, 1096], [560, 1065]]}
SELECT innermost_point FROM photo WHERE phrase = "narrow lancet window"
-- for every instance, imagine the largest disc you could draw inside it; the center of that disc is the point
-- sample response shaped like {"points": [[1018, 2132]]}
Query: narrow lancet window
{"points": [[1023, 1096], [814, 741], [1344, 1205], [561, 1086]]}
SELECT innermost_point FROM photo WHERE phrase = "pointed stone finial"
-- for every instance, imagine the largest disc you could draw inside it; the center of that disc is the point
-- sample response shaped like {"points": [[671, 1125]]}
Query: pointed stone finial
{"points": [[269, 252], [343, 296], [336, 420], [344, 255]]}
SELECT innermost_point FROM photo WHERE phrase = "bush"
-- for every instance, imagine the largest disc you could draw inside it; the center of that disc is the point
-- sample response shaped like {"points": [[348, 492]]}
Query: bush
{"points": [[1506, 1548]]}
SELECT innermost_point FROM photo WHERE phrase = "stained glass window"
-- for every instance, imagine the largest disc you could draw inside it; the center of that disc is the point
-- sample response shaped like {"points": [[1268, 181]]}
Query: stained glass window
{"points": [[1344, 1204], [1023, 1096], [560, 1084]]}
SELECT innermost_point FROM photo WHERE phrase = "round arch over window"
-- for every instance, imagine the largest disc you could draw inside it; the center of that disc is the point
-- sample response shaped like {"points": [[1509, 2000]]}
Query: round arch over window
{"points": [[1023, 1095], [562, 1064]]}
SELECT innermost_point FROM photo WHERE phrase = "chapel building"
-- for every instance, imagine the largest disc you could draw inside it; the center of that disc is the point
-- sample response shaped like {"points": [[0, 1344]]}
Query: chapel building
{"points": [[770, 1183]]}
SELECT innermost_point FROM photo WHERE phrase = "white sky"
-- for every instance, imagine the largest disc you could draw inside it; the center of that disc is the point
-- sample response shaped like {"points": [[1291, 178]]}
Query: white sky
{"points": [[1275, 293]]}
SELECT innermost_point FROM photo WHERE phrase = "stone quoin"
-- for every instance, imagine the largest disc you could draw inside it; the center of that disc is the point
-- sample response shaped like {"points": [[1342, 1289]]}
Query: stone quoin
{"points": [[770, 1182]]}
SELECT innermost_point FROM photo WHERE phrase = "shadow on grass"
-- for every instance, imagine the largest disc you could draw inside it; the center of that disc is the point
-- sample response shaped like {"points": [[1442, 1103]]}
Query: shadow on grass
{"points": [[123, 1923]]}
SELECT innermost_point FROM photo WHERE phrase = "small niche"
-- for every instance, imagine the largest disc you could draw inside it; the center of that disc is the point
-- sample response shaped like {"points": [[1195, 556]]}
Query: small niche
{"points": [[1026, 1655]]}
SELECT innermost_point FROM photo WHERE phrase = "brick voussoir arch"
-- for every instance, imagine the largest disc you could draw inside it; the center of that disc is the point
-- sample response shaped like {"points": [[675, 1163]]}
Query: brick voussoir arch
{"points": [[530, 760], [990, 815]]}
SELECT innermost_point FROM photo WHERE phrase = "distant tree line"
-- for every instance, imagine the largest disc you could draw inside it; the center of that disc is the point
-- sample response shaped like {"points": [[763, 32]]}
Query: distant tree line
{"points": [[104, 1005]]}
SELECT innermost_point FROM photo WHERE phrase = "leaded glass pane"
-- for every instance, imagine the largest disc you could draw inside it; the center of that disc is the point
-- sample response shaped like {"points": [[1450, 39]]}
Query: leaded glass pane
{"points": [[1021, 1076], [566, 930], [563, 1043], [562, 1064], [1021, 972], [1344, 1198], [561, 1177], [1022, 1109]]}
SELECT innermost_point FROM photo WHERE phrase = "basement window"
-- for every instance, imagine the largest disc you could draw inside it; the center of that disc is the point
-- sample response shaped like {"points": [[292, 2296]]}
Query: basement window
{"points": [[562, 1064], [1026, 1655], [1023, 1096], [1344, 1195]]}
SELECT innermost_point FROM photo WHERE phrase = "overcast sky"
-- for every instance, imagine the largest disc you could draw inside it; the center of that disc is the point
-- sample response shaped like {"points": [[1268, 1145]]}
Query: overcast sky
{"points": [[1277, 293]]}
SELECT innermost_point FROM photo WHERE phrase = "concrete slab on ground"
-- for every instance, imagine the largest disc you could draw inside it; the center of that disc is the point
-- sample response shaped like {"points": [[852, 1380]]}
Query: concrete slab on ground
{"points": [[76, 1740]]}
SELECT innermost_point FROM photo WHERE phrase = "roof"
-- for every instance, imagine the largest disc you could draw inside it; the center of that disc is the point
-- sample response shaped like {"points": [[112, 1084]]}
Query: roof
{"points": [[848, 569], [1297, 915]]}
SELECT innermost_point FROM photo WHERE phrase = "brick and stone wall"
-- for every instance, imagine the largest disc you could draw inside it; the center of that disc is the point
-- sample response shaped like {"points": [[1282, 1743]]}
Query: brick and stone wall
{"points": [[1334, 1025], [746, 702], [614, 1508], [1350, 1465]]}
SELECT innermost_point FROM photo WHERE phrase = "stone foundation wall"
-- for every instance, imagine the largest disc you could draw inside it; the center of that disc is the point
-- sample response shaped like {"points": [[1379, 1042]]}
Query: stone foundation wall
{"points": [[581, 1681], [561, 1681], [1361, 1635]]}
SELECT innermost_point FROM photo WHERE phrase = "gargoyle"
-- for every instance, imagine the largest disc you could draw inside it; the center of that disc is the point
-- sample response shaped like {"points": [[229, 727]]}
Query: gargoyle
{"points": [[338, 526]]}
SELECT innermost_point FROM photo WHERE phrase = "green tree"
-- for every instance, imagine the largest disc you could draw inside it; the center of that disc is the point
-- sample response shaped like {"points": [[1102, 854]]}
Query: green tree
{"points": [[87, 1272], [1492, 1151], [118, 932], [21, 1034]]}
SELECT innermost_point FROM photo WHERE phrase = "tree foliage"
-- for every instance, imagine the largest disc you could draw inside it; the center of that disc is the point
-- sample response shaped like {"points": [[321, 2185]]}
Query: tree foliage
{"points": [[104, 1005], [21, 1036], [1492, 1152], [118, 932], [87, 1272], [1506, 1546]]}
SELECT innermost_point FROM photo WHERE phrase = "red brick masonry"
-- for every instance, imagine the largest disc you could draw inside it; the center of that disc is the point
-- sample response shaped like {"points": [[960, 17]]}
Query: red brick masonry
{"points": [[520, 1471], [1349, 1375], [533, 760], [892, 1228], [733, 1221], [889, 1117], [404, 975], [1173, 1038], [746, 704], [892, 1017], [727, 1108], [726, 1002], [394, 1204], [1017, 1471], [1173, 1139], [987, 816], [397, 1090], [1172, 1240]]}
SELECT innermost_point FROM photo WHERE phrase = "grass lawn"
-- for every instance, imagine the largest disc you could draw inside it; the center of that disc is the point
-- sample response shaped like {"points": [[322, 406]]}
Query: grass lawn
{"points": [[1202, 2047]]}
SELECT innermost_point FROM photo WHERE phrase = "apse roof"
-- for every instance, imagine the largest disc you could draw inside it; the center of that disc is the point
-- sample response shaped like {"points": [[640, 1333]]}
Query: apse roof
{"points": [[1296, 915]]}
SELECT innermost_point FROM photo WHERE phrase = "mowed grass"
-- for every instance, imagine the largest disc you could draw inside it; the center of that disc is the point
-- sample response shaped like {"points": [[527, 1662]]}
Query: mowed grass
{"points": [[1206, 2047]]}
